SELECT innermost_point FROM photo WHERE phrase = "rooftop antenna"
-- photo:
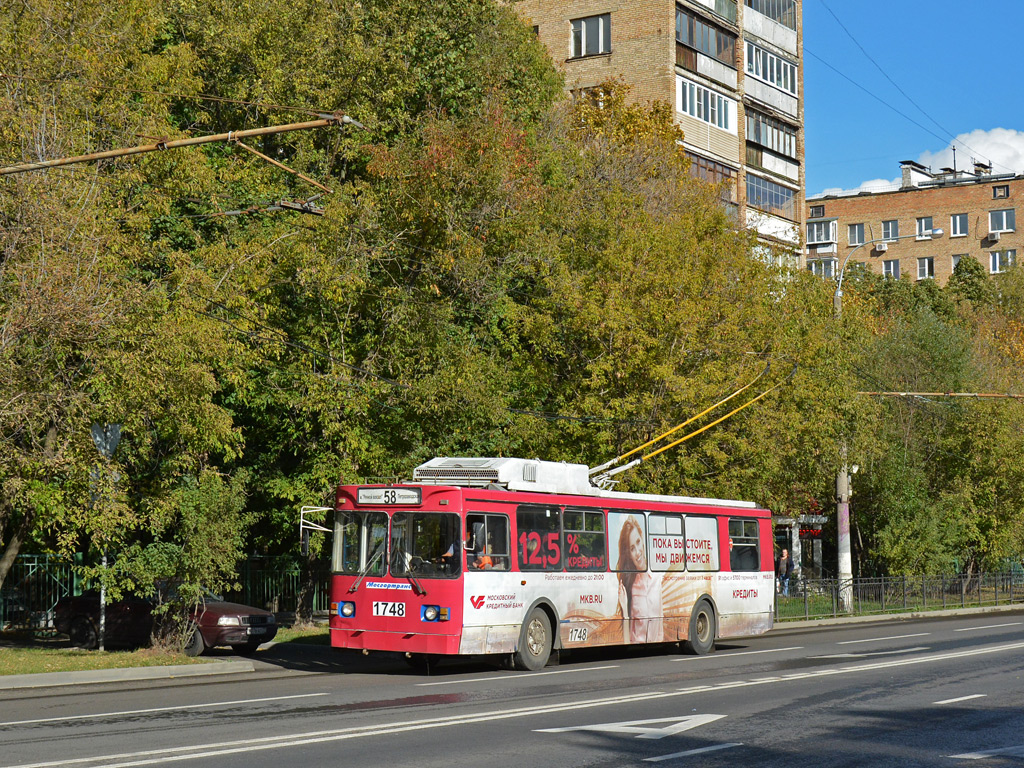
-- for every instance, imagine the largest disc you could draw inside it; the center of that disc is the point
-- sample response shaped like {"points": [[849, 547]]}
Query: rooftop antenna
{"points": [[604, 480]]}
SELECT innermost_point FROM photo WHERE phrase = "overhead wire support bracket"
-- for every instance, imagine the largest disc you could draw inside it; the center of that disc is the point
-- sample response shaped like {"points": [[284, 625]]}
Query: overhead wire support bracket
{"points": [[164, 144]]}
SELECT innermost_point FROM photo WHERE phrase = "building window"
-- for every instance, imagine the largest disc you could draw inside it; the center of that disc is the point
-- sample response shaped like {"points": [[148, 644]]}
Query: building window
{"points": [[1002, 221], [855, 234], [704, 104], [956, 259], [890, 229], [821, 232], [925, 268], [891, 268], [924, 227], [714, 173], [769, 196], [999, 191], [696, 33], [782, 11], [592, 35], [817, 212], [958, 225], [1000, 261], [770, 68], [774, 135], [822, 267]]}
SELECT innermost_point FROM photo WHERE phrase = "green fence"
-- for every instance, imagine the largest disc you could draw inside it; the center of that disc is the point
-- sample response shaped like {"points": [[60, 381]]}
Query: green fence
{"points": [[33, 587]]}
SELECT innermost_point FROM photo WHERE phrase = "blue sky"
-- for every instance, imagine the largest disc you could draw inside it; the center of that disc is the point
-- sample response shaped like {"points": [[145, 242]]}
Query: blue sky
{"points": [[959, 64]]}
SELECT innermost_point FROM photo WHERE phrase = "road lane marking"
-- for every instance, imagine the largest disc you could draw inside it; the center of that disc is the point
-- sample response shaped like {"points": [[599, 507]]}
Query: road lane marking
{"points": [[963, 698], [739, 653], [1017, 751], [246, 746], [677, 725], [524, 674], [881, 639], [689, 752], [871, 653], [159, 709], [990, 626]]}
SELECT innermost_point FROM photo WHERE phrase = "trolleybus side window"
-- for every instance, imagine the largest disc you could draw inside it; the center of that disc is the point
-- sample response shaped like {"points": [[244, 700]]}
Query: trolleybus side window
{"points": [[539, 543], [743, 538], [359, 542], [702, 542], [584, 539], [626, 536], [425, 544], [487, 542], [666, 542]]}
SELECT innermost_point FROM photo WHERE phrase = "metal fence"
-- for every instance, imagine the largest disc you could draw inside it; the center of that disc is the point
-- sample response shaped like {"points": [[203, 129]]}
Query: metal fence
{"points": [[820, 598], [37, 582], [277, 584], [32, 588]]}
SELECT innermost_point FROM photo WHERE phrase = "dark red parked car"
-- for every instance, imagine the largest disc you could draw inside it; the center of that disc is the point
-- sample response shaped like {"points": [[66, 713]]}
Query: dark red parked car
{"points": [[129, 622]]}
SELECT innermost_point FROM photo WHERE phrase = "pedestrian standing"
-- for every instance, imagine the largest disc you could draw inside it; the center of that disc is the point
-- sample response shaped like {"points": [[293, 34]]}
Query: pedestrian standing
{"points": [[783, 570]]}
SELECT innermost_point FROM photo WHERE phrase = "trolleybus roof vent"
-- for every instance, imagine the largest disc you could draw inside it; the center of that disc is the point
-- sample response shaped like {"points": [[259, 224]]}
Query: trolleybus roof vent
{"points": [[513, 474]]}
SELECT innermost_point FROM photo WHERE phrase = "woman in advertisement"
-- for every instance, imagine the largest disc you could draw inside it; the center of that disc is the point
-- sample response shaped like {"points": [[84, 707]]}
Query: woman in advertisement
{"points": [[639, 590]]}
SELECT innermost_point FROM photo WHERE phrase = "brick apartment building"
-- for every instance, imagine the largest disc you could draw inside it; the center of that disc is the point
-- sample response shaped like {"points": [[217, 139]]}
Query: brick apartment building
{"points": [[732, 69], [888, 230]]}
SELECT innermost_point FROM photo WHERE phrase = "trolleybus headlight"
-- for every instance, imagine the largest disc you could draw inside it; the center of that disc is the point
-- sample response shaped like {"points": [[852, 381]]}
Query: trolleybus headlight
{"points": [[430, 612], [347, 609]]}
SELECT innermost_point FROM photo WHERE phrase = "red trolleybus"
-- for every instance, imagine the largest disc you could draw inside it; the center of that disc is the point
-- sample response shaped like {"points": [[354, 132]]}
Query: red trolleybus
{"points": [[520, 557]]}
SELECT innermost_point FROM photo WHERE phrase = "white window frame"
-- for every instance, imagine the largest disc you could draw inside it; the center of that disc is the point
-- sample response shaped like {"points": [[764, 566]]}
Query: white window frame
{"points": [[706, 105], [954, 225], [822, 235], [893, 225], [955, 260], [924, 227], [823, 268], [926, 268], [771, 68], [891, 268], [578, 37], [855, 234], [1000, 261], [1004, 216]]}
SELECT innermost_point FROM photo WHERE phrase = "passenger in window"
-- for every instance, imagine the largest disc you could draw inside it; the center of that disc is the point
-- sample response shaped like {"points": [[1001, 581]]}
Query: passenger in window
{"points": [[639, 590]]}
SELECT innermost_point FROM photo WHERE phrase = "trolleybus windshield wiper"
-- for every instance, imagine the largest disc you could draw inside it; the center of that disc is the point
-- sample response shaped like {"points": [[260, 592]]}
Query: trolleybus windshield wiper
{"points": [[366, 568], [407, 559]]}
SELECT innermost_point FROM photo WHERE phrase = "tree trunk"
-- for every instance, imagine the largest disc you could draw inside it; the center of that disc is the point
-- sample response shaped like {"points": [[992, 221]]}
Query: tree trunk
{"points": [[10, 554]]}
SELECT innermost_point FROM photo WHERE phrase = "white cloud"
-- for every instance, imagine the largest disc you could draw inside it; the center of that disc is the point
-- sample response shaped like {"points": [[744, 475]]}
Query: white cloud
{"points": [[875, 185], [1002, 147]]}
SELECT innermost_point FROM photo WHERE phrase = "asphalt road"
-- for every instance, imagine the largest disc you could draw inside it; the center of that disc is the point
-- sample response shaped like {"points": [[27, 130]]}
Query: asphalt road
{"points": [[929, 692]]}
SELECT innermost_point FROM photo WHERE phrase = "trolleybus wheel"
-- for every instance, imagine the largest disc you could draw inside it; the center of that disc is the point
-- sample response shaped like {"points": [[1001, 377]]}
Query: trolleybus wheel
{"points": [[534, 642], [702, 629]]}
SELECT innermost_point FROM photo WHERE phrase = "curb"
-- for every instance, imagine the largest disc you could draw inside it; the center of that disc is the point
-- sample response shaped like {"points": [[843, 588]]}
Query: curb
{"points": [[51, 679]]}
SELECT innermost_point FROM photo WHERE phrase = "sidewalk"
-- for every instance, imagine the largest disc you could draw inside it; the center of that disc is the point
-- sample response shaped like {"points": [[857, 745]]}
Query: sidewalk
{"points": [[831, 621]]}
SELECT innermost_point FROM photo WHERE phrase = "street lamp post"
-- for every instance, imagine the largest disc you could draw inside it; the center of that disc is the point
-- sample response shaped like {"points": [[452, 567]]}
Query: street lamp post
{"points": [[845, 559]]}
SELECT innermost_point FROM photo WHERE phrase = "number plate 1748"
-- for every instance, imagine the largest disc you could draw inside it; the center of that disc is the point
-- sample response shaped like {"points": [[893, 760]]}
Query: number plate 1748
{"points": [[382, 608]]}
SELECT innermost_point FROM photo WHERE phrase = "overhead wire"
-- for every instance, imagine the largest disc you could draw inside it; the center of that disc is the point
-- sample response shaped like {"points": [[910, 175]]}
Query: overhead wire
{"points": [[949, 136]]}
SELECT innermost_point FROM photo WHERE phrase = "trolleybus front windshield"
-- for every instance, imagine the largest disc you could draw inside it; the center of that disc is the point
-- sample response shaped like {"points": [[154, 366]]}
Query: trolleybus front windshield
{"points": [[360, 539]]}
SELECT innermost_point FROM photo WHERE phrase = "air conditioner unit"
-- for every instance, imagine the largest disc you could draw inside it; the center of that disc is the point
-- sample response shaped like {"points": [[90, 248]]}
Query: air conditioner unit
{"points": [[993, 237], [882, 247]]}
